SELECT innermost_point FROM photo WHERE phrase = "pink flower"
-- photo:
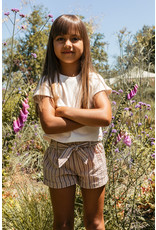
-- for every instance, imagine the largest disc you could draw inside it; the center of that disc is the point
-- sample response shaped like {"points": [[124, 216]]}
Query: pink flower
{"points": [[22, 15], [15, 126], [4, 43], [20, 122], [26, 100], [34, 55], [132, 92], [50, 15], [23, 116], [25, 111], [25, 105], [127, 140], [15, 10], [7, 13]]}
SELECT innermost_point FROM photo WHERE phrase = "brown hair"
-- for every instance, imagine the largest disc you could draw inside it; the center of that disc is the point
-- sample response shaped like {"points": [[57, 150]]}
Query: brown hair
{"points": [[51, 68]]}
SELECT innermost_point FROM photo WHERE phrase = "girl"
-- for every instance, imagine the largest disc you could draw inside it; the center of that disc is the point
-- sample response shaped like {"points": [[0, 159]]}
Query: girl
{"points": [[73, 106]]}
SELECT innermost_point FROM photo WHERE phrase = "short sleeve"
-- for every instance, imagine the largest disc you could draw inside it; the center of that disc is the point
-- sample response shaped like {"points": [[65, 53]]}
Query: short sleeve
{"points": [[98, 84], [42, 89]]}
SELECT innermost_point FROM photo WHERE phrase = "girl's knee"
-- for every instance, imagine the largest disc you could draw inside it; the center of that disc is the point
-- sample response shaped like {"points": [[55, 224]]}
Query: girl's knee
{"points": [[95, 224], [65, 225]]}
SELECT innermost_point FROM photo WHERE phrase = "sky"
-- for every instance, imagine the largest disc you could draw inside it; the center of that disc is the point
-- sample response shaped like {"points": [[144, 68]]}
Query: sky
{"points": [[109, 16]]}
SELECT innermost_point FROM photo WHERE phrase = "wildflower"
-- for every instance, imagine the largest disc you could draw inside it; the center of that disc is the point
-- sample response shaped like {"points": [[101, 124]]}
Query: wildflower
{"points": [[113, 117], [132, 92], [15, 10], [127, 140], [132, 101], [114, 91], [126, 109], [147, 135], [138, 106], [131, 114], [23, 27], [15, 126], [139, 124], [148, 105], [153, 155], [114, 102], [20, 122], [116, 150], [150, 128], [34, 55], [50, 15], [120, 91], [114, 131], [7, 13], [52, 19], [152, 143], [23, 116], [146, 117], [4, 43], [22, 15], [25, 105]]}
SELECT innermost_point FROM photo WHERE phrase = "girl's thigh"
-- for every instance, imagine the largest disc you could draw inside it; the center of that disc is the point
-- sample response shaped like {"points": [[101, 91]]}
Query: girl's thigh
{"points": [[63, 203], [93, 200]]}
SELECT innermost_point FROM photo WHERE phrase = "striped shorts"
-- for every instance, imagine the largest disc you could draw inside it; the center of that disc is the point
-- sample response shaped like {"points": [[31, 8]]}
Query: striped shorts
{"points": [[81, 163]]}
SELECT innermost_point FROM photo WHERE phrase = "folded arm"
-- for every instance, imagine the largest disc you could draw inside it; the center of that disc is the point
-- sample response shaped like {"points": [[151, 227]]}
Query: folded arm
{"points": [[100, 115], [52, 124]]}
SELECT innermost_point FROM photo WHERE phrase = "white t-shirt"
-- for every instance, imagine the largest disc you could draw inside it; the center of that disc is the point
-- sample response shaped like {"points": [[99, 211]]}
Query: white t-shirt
{"points": [[69, 92]]}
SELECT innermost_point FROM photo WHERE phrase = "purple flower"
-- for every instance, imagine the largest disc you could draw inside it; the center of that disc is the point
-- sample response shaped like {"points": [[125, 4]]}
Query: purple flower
{"points": [[132, 101], [127, 140], [15, 10], [116, 150], [153, 155], [22, 15], [148, 105], [114, 102], [34, 55], [7, 13], [150, 128], [15, 126], [114, 131], [25, 111], [50, 15], [25, 105], [146, 117], [23, 116], [126, 109], [120, 91], [139, 124], [132, 92], [114, 91], [131, 114], [152, 143], [20, 122], [22, 27]]}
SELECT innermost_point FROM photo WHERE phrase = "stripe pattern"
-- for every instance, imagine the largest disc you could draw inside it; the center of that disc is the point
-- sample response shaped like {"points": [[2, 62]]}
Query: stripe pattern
{"points": [[82, 163]]}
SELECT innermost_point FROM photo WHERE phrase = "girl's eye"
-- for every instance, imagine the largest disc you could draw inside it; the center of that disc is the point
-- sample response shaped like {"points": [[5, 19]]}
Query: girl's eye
{"points": [[60, 39], [75, 39]]}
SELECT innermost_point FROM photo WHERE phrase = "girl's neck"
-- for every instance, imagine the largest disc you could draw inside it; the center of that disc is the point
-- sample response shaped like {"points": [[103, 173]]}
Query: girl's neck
{"points": [[70, 70]]}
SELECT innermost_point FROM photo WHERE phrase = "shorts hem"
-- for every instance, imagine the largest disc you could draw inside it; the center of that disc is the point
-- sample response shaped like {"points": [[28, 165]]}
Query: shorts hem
{"points": [[47, 183], [96, 185]]}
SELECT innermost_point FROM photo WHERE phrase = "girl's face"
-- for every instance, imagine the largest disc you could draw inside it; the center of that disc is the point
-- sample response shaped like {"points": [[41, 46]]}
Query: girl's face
{"points": [[68, 48]]}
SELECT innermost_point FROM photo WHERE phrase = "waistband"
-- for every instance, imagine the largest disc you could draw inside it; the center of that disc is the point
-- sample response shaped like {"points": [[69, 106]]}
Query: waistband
{"points": [[70, 147]]}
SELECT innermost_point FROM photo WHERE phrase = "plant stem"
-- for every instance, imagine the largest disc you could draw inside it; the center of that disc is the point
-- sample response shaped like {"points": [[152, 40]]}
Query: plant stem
{"points": [[12, 55]]}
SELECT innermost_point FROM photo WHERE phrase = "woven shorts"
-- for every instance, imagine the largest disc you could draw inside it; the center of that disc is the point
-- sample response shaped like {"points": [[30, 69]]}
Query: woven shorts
{"points": [[82, 163]]}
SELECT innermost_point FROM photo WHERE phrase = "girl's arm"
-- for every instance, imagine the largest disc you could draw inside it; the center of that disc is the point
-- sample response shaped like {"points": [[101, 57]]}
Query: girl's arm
{"points": [[100, 115], [52, 124]]}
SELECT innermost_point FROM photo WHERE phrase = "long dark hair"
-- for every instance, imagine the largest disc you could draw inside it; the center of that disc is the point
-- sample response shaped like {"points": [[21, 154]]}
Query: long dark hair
{"points": [[51, 68]]}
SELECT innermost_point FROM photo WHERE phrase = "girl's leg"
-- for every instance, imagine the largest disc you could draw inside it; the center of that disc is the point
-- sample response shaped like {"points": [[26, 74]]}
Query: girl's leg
{"points": [[63, 207], [93, 200]]}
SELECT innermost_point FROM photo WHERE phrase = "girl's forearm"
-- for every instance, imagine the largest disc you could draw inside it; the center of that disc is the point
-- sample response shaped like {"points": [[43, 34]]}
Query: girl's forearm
{"points": [[59, 125], [90, 117]]}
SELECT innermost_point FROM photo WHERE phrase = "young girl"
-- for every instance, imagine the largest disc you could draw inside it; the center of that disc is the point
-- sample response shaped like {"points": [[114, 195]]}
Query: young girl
{"points": [[73, 106]]}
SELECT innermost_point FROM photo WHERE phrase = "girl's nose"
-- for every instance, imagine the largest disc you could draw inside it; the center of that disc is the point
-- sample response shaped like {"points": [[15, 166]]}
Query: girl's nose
{"points": [[68, 43]]}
